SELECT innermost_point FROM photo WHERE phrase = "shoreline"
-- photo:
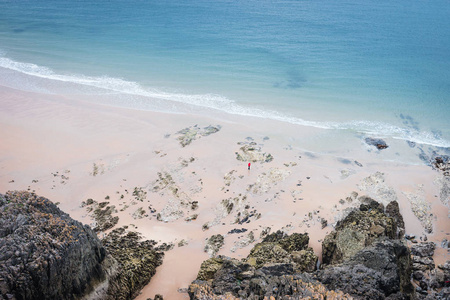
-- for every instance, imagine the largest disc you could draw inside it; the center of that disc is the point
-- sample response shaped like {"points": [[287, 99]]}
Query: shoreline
{"points": [[70, 151]]}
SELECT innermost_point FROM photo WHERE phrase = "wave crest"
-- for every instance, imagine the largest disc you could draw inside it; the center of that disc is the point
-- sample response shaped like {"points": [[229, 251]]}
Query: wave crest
{"points": [[220, 103]]}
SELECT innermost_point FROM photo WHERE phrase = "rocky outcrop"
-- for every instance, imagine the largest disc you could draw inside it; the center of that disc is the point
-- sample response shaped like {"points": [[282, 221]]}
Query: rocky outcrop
{"points": [[379, 143], [364, 259], [376, 272], [358, 230], [45, 254], [190, 134], [430, 282], [136, 263], [213, 244], [442, 163], [262, 273], [252, 153], [300, 286]]}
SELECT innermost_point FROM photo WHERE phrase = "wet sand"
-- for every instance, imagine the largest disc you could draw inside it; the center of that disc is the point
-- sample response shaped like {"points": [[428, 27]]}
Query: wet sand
{"points": [[70, 150]]}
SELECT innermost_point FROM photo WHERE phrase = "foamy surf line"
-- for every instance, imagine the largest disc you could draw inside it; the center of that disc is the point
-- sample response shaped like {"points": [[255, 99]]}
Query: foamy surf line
{"points": [[215, 102]]}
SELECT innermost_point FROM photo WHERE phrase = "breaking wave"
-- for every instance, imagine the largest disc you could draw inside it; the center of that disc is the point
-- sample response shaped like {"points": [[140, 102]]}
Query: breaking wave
{"points": [[110, 85]]}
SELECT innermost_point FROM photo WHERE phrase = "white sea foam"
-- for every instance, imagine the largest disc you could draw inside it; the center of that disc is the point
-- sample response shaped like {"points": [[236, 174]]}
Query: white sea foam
{"points": [[107, 84]]}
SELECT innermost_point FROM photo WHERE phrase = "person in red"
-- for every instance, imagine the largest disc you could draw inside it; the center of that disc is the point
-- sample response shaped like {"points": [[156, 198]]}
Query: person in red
{"points": [[249, 164]]}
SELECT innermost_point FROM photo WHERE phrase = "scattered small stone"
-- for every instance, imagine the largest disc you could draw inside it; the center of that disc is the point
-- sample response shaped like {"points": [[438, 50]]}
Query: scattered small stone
{"points": [[237, 230], [182, 243], [323, 222], [358, 163], [411, 144], [191, 218]]}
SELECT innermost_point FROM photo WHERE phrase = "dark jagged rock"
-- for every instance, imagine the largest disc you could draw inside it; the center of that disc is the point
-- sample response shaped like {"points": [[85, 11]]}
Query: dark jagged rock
{"points": [[393, 211], [42, 249], [261, 286], [281, 248], [236, 230], [433, 283], [359, 229], [442, 163], [376, 272], [368, 262], [45, 254], [379, 143], [102, 214], [277, 255], [213, 244], [137, 261]]}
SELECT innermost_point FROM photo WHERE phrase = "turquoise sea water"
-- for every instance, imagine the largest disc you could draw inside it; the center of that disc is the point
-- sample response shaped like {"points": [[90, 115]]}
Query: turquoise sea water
{"points": [[380, 68]]}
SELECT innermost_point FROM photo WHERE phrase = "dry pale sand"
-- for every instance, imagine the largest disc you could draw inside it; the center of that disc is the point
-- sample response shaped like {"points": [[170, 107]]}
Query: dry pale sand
{"points": [[50, 145]]}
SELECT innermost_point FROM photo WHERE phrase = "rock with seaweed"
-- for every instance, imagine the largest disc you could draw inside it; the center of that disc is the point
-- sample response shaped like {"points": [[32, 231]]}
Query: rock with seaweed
{"points": [[374, 264], [137, 261], [431, 281], [359, 229], [45, 254], [42, 249], [259, 273]]}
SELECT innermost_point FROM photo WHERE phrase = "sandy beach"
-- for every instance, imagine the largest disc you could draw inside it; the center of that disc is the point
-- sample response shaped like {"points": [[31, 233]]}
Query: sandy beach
{"points": [[304, 180]]}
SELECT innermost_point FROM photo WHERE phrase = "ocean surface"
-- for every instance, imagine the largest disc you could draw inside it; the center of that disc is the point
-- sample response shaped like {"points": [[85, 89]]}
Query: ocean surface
{"points": [[378, 68]]}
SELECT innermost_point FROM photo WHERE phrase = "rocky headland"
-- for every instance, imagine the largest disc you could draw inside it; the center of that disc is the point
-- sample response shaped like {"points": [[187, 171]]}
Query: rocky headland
{"points": [[45, 254], [365, 257]]}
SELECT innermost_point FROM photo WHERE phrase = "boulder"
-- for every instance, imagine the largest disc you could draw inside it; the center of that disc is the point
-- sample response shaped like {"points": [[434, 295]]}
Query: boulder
{"points": [[379, 143], [42, 249], [45, 254], [359, 229], [374, 272]]}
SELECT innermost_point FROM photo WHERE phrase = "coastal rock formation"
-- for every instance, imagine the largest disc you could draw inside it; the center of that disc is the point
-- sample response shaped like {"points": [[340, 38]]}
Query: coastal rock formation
{"points": [[262, 273], [252, 153], [45, 254], [213, 244], [42, 250], [364, 259], [189, 134], [136, 263], [442, 163], [102, 214], [431, 282], [376, 272], [358, 230], [379, 143]]}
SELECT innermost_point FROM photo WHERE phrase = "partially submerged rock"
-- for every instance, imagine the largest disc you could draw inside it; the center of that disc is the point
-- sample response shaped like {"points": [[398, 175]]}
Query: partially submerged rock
{"points": [[442, 163], [379, 143]]}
